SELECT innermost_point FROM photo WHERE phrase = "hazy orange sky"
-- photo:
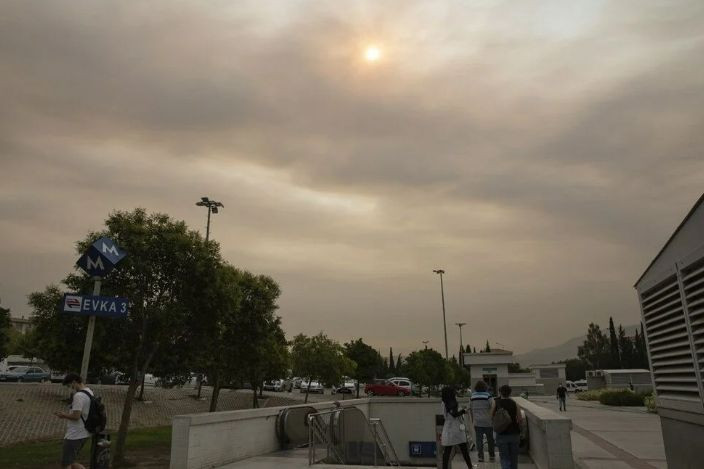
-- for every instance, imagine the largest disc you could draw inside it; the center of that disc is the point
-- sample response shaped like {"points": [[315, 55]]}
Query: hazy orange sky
{"points": [[541, 152]]}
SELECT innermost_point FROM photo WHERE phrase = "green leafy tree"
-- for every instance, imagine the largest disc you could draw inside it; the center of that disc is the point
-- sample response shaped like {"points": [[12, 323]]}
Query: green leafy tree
{"points": [[368, 361], [399, 363], [427, 368], [575, 369], [392, 364], [458, 375], [5, 328], [467, 349], [614, 357], [164, 275], [595, 350], [321, 359], [487, 348]]}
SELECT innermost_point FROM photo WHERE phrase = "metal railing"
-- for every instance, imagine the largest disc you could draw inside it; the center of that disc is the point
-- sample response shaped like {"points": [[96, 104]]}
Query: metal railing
{"points": [[321, 432], [381, 437]]}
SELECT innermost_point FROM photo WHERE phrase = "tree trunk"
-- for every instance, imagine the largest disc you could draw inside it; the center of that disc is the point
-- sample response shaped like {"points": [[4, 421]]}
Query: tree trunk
{"points": [[307, 392], [357, 386], [261, 389], [255, 402], [141, 389], [200, 384], [216, 393], [126, 413]]}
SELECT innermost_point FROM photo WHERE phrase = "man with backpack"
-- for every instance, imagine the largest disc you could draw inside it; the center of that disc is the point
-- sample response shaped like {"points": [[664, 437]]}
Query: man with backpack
{"points": [[76, 432]]}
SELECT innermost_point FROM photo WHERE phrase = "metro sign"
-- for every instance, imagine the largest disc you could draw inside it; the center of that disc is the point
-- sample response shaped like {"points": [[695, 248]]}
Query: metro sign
{"points": [[105, 306], [101, 258]]}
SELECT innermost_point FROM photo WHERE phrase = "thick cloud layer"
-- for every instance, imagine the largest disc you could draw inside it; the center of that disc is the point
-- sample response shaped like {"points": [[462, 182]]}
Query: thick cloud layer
{"points": [[539, 152]]}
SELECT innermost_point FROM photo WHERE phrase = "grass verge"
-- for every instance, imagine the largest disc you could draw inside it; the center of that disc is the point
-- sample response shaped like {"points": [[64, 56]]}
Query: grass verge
{"points": [[43, 454]]}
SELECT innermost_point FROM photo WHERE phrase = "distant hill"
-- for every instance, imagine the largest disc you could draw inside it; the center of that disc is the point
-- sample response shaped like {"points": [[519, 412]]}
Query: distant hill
{"points": [[560, 352]]}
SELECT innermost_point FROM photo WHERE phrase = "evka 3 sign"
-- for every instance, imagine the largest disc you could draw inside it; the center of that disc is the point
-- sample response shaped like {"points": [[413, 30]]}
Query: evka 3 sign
{"points": [[104, 306]]}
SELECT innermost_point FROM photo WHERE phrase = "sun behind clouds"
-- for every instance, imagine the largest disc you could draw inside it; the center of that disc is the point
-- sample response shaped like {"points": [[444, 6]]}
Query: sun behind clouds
{"points": [[372, 53]]}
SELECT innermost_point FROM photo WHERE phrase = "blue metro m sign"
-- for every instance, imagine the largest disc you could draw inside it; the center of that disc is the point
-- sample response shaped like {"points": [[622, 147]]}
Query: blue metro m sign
{"points": [[101, 258]]}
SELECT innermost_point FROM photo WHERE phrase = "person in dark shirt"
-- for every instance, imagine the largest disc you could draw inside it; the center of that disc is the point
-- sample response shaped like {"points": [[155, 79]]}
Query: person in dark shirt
{"points": [[509, 439], [562, 397]]}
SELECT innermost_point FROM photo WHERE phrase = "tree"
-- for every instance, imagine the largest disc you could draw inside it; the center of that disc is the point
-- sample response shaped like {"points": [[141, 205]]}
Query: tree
{"points": [[399, 363], [626, 349], [369, 363], [467, 349], [392, 365], [614, 357], [164, 275], [458, 375], [427, 368], [319, 358], [488, 347], [474, 350], [5, 328], [516, 368], [641, 349], [575, 369], [595, 349]]}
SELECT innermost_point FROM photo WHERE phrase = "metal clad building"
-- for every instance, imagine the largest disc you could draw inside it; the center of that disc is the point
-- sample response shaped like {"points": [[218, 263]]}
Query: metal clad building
{"points": [[671, 295]]}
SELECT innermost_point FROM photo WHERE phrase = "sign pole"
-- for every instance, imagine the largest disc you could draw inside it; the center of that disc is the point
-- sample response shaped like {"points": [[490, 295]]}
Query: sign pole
{"points": [[89, 334]]}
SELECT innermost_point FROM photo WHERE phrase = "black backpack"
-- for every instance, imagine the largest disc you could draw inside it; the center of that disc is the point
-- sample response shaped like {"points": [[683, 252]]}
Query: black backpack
{"points": [[97, 416]]}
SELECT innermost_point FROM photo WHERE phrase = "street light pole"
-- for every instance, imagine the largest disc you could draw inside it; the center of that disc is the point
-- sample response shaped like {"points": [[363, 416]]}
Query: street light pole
{"points": [[442, 294], [460, 324]]}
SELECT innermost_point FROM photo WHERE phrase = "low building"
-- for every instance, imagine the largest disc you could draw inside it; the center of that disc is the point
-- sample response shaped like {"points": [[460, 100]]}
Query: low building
{"points": [[21, 324], [671, 296], [492, 368], [550, 376], [638, 380]]}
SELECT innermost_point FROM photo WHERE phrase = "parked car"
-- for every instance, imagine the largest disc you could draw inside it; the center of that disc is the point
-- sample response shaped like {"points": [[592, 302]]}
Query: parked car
{"points": [[315, 387], [347, 387], [26, 374], [296, 382], [581, 385], [57, 376], [385, 388], [277, 385], [404, 383]]}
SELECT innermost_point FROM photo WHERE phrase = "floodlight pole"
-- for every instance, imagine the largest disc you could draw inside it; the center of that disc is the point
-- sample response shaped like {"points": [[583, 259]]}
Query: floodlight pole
{"points": [[207, 227], [460, 324], [97, 282], [442, 293]]}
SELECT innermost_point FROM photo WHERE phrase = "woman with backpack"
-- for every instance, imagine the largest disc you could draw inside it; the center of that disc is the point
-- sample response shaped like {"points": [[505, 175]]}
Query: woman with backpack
{"points": [[506, 419], [454, 430]]}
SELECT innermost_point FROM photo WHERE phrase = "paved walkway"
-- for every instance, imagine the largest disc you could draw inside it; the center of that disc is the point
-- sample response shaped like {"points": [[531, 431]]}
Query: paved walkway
{"points": [[606, 437], [298, 459], [26, 410]]}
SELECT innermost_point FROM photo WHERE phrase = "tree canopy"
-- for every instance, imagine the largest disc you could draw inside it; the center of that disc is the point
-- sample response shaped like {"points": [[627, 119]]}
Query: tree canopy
{"points": [[320, 358]]}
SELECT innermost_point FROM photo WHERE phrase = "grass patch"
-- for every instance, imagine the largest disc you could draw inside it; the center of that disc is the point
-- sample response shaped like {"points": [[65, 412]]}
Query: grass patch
{"points": [[43, 454]]}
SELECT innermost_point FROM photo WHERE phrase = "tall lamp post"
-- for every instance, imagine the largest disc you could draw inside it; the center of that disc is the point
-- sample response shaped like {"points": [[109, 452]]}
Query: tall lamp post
{"points": [[440, 272], [213, 206], [460, 324]]}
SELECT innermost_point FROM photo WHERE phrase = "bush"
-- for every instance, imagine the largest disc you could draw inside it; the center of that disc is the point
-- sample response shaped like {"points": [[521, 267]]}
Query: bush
{"points": [[649, 401], [623, 397], [592, 395]]}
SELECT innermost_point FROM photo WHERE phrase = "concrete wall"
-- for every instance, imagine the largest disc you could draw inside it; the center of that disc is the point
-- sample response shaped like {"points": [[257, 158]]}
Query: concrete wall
{"points": [[683, 434], [212, 439], [550, 443]]}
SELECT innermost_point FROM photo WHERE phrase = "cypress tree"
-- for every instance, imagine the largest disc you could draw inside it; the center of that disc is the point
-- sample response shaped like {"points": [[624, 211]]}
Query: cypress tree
{"points": [[488, 347], [615, 358], [392, 366]]}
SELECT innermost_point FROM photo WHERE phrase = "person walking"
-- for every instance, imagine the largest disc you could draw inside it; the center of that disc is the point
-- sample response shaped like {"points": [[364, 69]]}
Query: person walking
{"points": [[76, 433], [508, 439], [562, 397], [454, 430], [480, 405]]}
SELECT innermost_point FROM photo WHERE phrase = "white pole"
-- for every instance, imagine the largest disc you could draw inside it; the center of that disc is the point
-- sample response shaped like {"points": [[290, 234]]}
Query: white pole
{"points": [[89, 334]]}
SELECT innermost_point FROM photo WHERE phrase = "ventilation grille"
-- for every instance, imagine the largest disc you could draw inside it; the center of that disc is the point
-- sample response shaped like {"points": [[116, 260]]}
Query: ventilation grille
{"points": [[693, 283], [668, 342]]}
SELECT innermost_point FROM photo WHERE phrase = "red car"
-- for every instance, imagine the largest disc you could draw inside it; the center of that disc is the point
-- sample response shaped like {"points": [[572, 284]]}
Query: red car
{"points": [[385, 388]]}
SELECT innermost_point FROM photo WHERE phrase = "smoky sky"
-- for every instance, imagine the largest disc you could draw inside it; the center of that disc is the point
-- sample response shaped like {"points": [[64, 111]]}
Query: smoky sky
{"points": [[541, 152]]}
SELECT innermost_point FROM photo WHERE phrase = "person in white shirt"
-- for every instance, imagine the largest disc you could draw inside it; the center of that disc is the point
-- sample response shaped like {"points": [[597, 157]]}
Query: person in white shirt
{"points": [[76, 433]]}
